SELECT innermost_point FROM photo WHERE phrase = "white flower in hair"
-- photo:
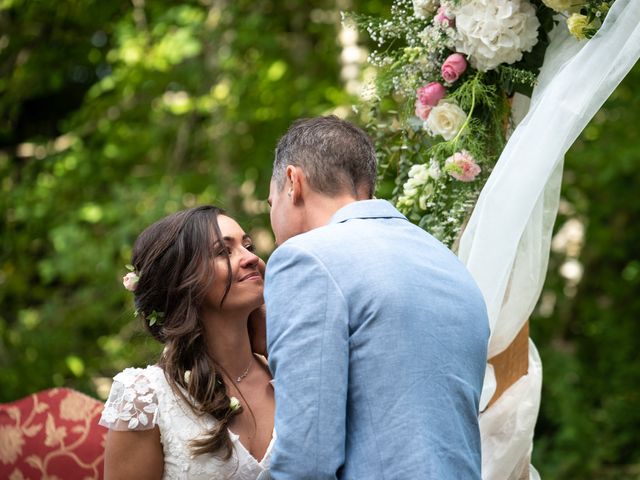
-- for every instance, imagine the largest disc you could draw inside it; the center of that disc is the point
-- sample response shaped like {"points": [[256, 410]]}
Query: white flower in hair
{"points": [[130, 281], [234, 404]]}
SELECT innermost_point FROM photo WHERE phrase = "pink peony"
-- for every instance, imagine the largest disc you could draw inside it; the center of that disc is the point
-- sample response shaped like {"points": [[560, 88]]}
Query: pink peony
{"points": [[453, 67], [462, 166], [442, 18], [130, 281]]}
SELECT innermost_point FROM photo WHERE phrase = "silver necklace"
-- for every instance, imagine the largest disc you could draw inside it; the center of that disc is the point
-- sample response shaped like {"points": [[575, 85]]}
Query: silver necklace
{"points": [[245, 373]]}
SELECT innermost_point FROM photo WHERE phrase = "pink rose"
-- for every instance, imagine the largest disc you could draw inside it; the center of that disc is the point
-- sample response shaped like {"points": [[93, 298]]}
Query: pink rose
{"points": [[453, 67], [428, 97], [462, 166], [442, 18], [431, 93], [130, 281]]}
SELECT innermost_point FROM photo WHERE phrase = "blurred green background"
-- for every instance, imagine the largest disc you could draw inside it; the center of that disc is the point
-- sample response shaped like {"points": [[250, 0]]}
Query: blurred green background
{"points": [[113, 114]]}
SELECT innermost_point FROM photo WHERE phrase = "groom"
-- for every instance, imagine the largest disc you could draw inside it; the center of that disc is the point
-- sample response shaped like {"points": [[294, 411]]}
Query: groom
{"points": [[376, 333]]}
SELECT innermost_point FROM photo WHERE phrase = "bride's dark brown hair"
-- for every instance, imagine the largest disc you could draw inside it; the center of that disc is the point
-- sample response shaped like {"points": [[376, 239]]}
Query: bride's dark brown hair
{"points": [[173, 257]]}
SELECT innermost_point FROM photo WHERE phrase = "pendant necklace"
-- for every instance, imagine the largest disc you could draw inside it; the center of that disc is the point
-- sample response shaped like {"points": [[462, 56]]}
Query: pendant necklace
{"points": [[245, 373]]}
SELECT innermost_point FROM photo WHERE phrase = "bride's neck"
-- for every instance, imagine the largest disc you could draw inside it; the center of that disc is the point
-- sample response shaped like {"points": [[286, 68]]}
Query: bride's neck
{"points": [[228, 343]]}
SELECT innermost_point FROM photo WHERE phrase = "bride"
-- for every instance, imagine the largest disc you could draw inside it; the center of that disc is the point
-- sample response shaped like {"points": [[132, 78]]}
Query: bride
{"points": [[205, 410]]}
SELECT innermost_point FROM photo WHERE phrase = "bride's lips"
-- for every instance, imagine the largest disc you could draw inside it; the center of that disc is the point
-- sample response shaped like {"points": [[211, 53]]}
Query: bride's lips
{"points": [[250, 276]]}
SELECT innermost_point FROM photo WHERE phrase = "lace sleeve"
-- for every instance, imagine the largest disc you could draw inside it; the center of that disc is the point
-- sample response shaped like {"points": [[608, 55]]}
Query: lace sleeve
{"points": [[132, 403]]}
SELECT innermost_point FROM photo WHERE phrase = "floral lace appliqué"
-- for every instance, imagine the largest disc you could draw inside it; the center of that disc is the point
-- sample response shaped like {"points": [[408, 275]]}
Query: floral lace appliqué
{"points": [[132, 403]]}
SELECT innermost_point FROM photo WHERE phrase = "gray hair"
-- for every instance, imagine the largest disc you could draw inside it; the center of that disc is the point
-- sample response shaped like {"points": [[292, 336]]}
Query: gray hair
{"points": [[335, 155]]}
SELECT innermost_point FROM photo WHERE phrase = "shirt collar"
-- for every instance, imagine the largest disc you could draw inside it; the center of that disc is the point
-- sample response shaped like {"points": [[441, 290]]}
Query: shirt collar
{"points": [[366, 209]]}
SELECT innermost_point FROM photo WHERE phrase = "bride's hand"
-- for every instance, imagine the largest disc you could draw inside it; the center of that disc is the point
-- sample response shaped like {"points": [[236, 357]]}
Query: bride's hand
{"points": [[258, 324]]}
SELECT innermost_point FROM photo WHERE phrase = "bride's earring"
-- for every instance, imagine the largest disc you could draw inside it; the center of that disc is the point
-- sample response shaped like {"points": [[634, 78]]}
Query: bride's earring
{"points": [[289, 193]]}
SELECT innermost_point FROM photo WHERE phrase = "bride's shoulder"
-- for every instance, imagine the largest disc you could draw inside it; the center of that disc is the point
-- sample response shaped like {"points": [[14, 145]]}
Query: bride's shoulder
{"points": [[133, 400]]}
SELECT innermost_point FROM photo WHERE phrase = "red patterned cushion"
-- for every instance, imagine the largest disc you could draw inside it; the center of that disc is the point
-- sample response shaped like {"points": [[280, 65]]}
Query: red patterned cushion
{"points": [[52, 434]]}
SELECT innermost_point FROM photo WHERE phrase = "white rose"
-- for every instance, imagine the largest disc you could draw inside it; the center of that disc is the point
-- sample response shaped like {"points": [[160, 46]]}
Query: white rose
{"points": [[493, 32], [424, 8], [445, 119]]}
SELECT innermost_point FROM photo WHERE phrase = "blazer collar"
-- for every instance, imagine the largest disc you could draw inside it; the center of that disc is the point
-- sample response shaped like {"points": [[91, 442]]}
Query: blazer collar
{"points": [[366, 209]]}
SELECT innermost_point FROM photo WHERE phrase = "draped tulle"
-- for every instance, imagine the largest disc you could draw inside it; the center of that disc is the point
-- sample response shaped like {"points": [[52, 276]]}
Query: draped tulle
{"points": [[506, 242]]}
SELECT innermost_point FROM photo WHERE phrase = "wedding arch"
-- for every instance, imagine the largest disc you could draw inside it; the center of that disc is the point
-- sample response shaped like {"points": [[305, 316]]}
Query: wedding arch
{"points": [[500, 221]]}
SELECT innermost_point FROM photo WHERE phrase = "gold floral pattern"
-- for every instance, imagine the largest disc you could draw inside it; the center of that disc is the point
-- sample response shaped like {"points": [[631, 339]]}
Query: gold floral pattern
{"points": [[16, 475], [11, 442], [55, 435], [43, 434], [76, 408]]}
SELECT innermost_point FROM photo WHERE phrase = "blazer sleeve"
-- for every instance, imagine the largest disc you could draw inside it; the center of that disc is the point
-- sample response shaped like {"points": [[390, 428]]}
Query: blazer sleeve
{"points": [[307, 337]]}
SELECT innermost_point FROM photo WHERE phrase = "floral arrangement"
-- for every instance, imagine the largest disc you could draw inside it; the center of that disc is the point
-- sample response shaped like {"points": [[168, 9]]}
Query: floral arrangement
{"points": [[440, 108]]}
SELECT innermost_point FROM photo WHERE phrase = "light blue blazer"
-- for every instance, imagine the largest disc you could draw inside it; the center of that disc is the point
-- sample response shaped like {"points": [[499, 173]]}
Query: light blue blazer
{"points": [[377, 338]]}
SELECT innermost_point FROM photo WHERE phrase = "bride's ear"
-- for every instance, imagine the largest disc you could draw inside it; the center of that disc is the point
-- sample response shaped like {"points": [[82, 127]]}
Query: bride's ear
{"points": [[296, 180]]}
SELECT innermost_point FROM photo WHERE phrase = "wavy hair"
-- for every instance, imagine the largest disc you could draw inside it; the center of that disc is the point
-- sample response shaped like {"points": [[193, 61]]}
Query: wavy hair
{"points": [[173, 260]]}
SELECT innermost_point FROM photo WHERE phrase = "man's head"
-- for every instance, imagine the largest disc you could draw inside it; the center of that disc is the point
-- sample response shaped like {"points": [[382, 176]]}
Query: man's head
{"points": [[320, 163]]}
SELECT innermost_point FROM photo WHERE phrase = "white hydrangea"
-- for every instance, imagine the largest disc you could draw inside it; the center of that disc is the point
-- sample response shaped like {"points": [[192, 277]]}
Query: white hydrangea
{"points": [[424, 8], [492, 32]]}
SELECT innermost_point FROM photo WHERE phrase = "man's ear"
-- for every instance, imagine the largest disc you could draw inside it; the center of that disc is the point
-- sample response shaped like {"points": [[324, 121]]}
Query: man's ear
{"points": [[295, 183]]}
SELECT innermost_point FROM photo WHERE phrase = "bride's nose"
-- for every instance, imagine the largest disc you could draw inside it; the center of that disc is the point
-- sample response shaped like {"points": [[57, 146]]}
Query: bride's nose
{"points": [[249, 259]]}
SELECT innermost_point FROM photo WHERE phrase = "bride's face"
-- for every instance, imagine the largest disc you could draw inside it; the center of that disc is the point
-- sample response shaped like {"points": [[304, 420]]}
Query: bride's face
{"points": [[247, 286]]}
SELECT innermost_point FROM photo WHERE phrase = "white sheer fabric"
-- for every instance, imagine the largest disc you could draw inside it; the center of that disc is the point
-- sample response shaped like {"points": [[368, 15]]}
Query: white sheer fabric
{"points": [[506, 242]]}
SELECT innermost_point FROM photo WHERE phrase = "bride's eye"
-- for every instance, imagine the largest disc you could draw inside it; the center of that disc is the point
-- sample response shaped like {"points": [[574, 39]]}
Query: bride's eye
{"points": [[223, 251], [251, 247]]}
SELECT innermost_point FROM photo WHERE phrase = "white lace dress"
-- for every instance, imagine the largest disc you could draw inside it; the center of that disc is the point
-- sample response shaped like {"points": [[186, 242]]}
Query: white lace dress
{"points": [[141, 398]]}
